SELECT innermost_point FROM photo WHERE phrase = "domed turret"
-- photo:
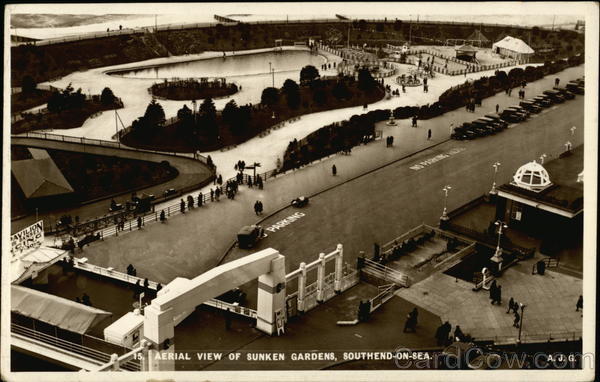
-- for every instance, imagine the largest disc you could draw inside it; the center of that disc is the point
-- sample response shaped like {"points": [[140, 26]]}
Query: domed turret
{"points": [[532, 176]]}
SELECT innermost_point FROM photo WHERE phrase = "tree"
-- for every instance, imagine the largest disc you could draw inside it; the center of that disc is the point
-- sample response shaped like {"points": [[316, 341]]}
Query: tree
{"points": [[155, 115], [107, 97], [292, 93], [230, 113], [340, 90], [269, 97], [208, 118], [28, 85], [365, 80], [308, 73], [184, 113]]}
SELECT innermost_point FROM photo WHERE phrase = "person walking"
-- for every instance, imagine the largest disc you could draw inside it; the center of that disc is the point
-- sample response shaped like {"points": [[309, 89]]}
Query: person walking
{"points": [[458, 334], [511, 304], [182, 206], [429, 134], [579, 304], [333, 170], [492, 290], [517, 319], [556, 81], [256, 208], [139, 222], [414, 121], [498, 295], [497, 108], [212, 195], [162, 216]]}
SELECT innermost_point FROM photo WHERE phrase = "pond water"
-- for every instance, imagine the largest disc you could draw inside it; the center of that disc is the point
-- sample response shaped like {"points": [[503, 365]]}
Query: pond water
{"points": [[230, 66]]}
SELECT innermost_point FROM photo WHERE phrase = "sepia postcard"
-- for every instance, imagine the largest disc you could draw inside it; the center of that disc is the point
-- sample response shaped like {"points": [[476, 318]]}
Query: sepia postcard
{"points": [[299, 191]]}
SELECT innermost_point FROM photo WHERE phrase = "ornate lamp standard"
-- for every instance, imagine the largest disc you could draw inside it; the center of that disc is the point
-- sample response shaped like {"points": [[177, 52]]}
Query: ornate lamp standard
{"points": [[444, 216], [522, 306], [497, 258], [496, 166]]}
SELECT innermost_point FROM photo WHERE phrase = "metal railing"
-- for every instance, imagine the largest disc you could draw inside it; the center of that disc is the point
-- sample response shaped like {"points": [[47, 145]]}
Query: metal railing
{"points": [[538, 337], [385, 273], [111, 273], [549, 262], [103, 143], [386, 292], [92, 354]]}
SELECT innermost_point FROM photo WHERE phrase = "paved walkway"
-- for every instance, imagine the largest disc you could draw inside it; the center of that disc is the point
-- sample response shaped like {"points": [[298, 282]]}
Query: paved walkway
{"points": [[550, 304]]}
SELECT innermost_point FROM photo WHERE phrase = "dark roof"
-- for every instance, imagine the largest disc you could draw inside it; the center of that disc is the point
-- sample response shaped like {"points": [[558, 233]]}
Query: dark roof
{"points": [[565, 193], [477, 36], [466, 48], [40, 177]]}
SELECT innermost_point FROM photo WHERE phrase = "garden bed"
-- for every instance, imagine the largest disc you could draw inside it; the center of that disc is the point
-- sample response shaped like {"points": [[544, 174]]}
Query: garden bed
{"points": [[179, 137], [184, 90]]}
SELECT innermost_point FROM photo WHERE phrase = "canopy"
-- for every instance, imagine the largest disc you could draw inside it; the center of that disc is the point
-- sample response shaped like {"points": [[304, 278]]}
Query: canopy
{"points": [[40, 177], [58, 311], [513, 44], [26, 266]]}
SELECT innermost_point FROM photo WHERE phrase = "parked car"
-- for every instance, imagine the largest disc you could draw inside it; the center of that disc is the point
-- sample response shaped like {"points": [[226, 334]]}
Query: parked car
{"points": [[496, 125], [543, 101], [484, 125], [575, 87], [463, 133], [564, 92], [556, 96], [300, 201], [497, 118], [530, 106], [478, 131], [114, 206], [519, 109], [511, 116], [249, 235]]}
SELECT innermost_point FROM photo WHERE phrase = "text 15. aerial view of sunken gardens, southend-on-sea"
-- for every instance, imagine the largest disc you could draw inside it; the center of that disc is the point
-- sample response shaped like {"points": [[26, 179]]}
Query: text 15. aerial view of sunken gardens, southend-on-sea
{"points": [[216, 190]]}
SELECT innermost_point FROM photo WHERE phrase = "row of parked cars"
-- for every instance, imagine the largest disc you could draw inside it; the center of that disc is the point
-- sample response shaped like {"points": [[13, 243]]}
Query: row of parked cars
{"points": [[494, 123]]}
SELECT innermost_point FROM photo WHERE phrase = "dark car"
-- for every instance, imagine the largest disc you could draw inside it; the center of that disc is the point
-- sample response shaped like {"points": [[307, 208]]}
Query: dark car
{"points": [[497, 125], [575, 87], [543, 101], [477, 131], [519, 109], [484, 125], [512, 116], [564, 92], [114, 206], [530, 106], [556, 96], [497, 118], [249, 235], [300, 201]]}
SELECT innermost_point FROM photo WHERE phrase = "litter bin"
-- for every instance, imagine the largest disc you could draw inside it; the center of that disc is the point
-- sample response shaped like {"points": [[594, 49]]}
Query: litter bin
{"points": [[541, 267]]}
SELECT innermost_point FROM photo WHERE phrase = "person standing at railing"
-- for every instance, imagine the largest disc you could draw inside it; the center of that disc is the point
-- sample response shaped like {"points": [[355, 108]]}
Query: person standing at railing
{"points": [[182, 206], [200, 199], [579, 304]]}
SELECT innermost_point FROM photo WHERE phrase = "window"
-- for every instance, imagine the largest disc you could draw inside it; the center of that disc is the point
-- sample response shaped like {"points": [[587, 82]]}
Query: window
{"points": [[516, 212]]}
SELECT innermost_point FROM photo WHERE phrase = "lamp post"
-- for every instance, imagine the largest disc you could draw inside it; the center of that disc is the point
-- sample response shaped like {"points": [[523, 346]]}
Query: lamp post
{"points": [[497, 258], [521, 323], [444, 216], [542, 157], [496, 166], [273, 77]]}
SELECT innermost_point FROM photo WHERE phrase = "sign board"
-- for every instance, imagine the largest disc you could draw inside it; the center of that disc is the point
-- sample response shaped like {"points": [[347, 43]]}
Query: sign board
{"points": [[27, 240]]}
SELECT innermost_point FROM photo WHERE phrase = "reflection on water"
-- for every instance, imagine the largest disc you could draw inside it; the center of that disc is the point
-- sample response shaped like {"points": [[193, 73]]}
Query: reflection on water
{"points": [[230, 66]]}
